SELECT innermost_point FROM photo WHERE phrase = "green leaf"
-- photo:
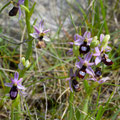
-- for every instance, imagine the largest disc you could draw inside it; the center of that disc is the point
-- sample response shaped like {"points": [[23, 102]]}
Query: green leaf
{"points": [[87, 86], [70, 109], [25, 8], [99, 114], [104, 15], [1, 40], [32, 9], [5, 6]]}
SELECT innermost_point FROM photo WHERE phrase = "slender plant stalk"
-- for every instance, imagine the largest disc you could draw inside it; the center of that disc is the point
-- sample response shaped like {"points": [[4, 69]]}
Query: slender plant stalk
{"points": [[71, 115], [27, 18], [12, 112]]}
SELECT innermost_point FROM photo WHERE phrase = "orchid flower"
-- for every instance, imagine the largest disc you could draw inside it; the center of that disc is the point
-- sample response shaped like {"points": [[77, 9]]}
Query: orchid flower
{"points": [[101, 57], [85, 64], [40, 34], [15, 86], [82, 41], [99, 79], [16, 7], [73, 83]]}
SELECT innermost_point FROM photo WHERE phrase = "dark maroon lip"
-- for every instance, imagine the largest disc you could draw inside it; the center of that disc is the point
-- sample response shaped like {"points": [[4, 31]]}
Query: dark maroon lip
{"points": [[98, 72], [107, 61], [75, 85], [13, 11], [84, 51], [13, 92], [83, 69]]}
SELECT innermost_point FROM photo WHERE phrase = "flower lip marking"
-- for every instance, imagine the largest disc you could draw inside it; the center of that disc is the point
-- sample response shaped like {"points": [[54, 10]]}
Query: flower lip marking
{"points": [[84, 48], [41, 38], [75, 85], [82, 72], [13, 92], [98, 72], [106, 60]]}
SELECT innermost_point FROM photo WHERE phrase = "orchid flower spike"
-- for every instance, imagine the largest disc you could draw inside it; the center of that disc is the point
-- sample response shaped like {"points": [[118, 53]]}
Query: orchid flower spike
{"points": [[73, 83], [16, 8], [84, 65], [83, 41], [15, 86]]}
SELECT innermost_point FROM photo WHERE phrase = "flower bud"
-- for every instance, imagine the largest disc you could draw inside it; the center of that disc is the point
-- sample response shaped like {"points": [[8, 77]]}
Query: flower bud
{"points": [[95, 42], [23, 61], [27, 64], [105, 41]]}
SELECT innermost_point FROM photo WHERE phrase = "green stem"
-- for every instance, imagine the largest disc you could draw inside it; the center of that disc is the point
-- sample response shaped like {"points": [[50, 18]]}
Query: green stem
{"points": [[5, 6], [27, 18], [12, 112], [70, 109]]}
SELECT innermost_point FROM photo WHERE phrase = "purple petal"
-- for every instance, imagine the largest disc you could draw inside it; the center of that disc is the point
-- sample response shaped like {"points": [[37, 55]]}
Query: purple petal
{"points": [[90, 64], [37, 30], [78, 42], [48, 30], [13, 81], [70, 86], [92, 79], [20, 12], [21, 2], [89, 72], [71, 43], [20, 66], [8, 84], [20, 80], [70, 52], [34, 35], [41, 26], [16, 76], [71, 72], [101, 37], [96, 54], [81, 60], [97, 50], [19, 86], [76, 37], [102, 49], [78, 64], [98, 60], [108, 49], [103, 80], [87, 34], [45, 38], [88, 57], [89, 41], [68, 79]]}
